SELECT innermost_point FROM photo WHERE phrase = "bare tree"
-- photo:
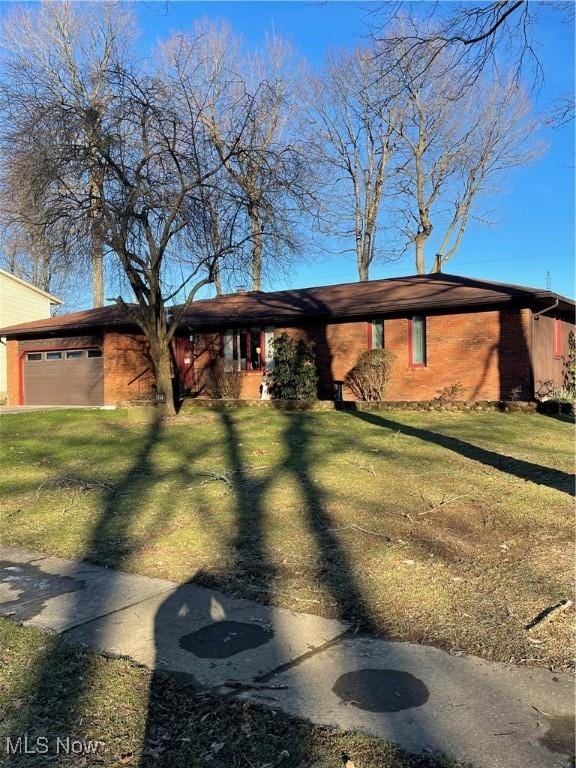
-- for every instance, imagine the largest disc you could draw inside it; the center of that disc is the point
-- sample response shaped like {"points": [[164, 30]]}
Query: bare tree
{"points": [[353, 127], [471, 38], [464, 37], [155, 164], [455, 148], [57, 57], [267, 169], [30, 254], [159, 166]]}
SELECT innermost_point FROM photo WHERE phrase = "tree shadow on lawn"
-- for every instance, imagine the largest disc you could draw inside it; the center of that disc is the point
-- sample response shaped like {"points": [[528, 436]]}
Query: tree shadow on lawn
{"points": [[525, 470], [111, 528], [334, 566]]}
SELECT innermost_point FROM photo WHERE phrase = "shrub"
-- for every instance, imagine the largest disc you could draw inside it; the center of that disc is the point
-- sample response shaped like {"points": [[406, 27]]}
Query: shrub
{"points": [[221, 383], [294, 375], [548, 390], [369, 378], [570, 366], [449, 394]]}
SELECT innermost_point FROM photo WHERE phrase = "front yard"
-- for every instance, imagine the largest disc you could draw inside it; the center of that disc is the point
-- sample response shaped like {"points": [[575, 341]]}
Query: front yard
{"points": [[450, 529]]}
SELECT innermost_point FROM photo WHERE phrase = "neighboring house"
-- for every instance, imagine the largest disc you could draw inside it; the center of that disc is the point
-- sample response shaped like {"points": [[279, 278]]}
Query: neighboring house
{"points": [[498, 341], [19, 302]]}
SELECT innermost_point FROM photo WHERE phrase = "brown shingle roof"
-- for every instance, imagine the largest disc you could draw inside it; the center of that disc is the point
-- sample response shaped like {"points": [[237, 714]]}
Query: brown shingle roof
{"points": [[393, 295], [98, 317], [347, 300]]}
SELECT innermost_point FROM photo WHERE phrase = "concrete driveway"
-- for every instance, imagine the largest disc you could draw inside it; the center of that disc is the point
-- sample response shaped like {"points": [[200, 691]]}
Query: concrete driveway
{"points": [[10, 410]]}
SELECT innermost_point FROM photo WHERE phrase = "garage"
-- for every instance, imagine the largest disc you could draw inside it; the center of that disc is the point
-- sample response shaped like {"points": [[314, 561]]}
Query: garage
{"points": [[63, 377]]}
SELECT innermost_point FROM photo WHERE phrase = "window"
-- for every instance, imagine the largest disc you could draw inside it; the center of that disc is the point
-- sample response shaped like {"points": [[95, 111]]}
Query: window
{"points": [[74, 354], [32, 356], [557, 337], [247, 349], [228, 350], [94, 353], [269, 348], [377, 334], [417, 340], [53, 355]]}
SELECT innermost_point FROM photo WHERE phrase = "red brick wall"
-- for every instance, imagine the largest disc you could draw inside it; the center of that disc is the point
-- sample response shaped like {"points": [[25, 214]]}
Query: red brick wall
{"points": [[208, 345], [251, 385], [337, 346], [13, 373], [486, 352], [128, 372]]}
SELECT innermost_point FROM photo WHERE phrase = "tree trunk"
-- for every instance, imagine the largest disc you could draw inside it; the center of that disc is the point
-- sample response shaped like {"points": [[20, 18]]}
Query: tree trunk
{"points": [[97, 238], [161, 359], [364, 257], [257, 247], [217, 279], [97, 271], [420, 242]]}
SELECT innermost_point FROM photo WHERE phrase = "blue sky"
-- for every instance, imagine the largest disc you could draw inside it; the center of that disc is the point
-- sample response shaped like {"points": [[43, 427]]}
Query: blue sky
{"points": [[533, 238], [534, 232]]}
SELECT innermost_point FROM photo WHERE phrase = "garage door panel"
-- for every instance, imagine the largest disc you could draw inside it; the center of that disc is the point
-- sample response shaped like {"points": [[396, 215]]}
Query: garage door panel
{"points": [[64, 382]]}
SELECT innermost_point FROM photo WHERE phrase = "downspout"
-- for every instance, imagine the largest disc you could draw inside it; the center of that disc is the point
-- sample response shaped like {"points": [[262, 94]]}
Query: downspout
{"points": [[536, 316]]}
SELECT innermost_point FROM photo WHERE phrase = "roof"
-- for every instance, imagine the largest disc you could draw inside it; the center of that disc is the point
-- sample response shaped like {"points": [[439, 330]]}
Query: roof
{"points": [[362, 299], [52, 299], [86, 320], [347, 300]]}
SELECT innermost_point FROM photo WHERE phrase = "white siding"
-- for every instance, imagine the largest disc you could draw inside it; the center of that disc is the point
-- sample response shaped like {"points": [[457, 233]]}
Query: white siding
{"points": [[18, 304]]}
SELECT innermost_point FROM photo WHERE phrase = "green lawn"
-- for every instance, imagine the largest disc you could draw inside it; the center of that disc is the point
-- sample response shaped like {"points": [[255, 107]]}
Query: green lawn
{"points": [[452, 529]]}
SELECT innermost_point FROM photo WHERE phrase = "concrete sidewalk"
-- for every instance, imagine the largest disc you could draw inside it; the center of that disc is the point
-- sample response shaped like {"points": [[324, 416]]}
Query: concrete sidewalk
{"points": [[492, 715]]}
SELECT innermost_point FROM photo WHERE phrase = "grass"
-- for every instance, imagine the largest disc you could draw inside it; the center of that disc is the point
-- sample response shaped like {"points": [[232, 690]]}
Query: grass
{"points": [[149, 721], [451, 529]]}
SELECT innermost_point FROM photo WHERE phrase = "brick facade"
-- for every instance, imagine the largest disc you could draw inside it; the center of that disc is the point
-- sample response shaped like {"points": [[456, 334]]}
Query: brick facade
{"points": [[488, 352], [128, 371], [13, 372], [337, 346]]}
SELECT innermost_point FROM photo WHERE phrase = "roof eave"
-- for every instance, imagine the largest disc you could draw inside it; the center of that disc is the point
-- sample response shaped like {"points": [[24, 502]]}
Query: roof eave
{"points": [[52, 299], [384, 309]]}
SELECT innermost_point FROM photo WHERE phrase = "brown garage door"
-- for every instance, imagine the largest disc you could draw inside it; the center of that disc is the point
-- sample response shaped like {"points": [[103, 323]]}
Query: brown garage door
{"points": [[63, 377]]}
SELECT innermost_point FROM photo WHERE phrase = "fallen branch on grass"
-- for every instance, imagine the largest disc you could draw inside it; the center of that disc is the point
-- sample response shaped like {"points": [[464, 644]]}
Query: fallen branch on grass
{"points": [[226, 476], [356, 462], [443, 503], [364, 530], [297, 599], [64, 482], [405, 515], [548, 613]]}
